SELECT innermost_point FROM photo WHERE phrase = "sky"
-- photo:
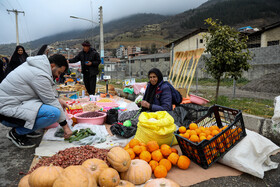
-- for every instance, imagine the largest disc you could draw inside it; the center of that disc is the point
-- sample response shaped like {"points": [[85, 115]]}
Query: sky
{"points": [[47, 17]]}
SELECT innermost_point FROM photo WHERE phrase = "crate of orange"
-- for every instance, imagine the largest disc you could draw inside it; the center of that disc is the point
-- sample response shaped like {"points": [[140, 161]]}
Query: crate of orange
{"points": [[212, 136]]}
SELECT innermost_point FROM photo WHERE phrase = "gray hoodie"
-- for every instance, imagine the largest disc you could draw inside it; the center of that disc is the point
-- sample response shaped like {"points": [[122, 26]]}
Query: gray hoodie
{"points": [[26, 88]]}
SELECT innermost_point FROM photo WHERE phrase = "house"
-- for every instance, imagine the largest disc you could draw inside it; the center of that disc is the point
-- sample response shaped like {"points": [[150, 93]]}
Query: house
{"points": [[267, 36]]}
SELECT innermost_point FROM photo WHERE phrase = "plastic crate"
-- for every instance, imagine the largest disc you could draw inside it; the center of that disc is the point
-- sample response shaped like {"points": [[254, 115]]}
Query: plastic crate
{"points": [[194, 112], [207, 152]]}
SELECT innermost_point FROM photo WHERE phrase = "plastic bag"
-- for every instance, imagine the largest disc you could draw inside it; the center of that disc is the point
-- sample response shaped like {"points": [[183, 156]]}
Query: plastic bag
{"points": [[128, 115], [161, 129], [276, 118], [123, 131], [128, 90], [112, 116], [252, 155]]}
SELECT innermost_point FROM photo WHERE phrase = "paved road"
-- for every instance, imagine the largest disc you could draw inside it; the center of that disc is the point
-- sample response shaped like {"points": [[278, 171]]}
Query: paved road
{"points": [[13, 161]]}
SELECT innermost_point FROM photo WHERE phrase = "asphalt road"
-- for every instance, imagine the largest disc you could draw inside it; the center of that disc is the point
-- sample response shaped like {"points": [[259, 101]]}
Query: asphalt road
{"points": [[14, 162]]}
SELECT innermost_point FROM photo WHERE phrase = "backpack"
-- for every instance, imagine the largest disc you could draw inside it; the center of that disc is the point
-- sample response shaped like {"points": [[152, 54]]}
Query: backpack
{"points": [[176, 96]]}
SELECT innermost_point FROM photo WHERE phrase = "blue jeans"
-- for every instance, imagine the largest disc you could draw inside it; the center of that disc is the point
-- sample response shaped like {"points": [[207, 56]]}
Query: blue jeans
{"points": [[47, 115]]}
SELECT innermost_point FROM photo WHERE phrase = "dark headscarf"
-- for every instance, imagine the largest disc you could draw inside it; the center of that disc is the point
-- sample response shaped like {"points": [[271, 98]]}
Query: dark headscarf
{"points": [[151, 89], [42, 50], [16, 60]]}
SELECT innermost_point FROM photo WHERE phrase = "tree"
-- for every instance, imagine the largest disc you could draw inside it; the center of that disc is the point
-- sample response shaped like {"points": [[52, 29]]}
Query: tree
{"points": [[228, 52]]}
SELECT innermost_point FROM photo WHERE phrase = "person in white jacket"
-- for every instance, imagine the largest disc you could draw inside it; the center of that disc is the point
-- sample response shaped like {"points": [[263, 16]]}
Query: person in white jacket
{"points": [[29, 101]]}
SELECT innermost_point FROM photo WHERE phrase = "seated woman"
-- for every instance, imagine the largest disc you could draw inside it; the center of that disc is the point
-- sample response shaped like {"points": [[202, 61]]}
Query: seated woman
{"points": [[158, 96]]}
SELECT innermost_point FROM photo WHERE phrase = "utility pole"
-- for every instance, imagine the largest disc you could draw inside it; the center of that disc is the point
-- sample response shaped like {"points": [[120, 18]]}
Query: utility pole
{"points": [[16, 14], [101, 38]]}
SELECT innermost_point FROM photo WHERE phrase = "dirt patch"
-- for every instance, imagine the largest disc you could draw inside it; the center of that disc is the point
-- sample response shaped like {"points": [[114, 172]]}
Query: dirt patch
{"points": [[269, 83]]}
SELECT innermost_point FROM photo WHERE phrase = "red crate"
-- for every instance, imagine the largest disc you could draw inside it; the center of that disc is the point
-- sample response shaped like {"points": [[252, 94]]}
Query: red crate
{"points": [[207, 152]]}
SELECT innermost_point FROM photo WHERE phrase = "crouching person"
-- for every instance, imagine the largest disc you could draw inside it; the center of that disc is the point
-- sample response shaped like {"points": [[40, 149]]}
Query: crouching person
{"points": [[29, 101]]}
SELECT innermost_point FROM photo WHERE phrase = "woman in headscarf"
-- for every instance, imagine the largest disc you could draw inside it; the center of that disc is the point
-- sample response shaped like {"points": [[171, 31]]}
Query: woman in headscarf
{"points": [[158, 95], [18, 58], [5, 63]]}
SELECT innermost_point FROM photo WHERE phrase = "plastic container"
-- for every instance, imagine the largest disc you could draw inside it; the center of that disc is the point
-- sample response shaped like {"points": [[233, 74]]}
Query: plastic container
{"points": [[198, 100], [107, 104], [95, 120], [207, 152]]}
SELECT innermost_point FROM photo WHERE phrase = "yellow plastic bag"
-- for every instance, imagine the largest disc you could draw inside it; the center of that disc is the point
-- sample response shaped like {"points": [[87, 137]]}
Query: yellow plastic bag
{"points": [[157, 126]]}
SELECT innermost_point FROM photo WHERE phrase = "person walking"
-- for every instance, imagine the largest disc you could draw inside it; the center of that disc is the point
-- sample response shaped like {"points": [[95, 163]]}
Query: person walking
{"points": [[29, 100], [19, 57], [90, 61]]}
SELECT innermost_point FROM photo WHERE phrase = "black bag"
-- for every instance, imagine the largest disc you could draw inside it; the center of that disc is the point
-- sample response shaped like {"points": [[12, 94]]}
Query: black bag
{"points": [[112, 116], [123, 131]]}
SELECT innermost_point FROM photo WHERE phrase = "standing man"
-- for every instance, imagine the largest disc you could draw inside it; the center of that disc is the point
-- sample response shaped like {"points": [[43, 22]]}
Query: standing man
{"points": [[29, 101], [90, 61]]}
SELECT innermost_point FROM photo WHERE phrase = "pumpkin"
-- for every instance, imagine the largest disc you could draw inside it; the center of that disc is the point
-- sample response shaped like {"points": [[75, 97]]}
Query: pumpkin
{"points": [[162, 182], [24, 181], [109, 178], [160, 171], [44, 176], [125, 184], [95, 167], [119, 159], [75, 176], [138, 173]]}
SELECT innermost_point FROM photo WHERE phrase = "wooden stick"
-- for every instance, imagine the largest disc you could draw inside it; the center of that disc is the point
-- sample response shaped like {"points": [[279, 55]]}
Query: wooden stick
{"points": [[176, 65], [185, 70], [190, 72], [197, 56], [180, 68], [176, 57]]}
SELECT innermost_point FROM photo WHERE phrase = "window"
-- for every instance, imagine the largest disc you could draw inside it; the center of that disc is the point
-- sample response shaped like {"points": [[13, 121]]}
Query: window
{"points": [[152, 60], [270, 43], [201, 41], [167, 59], [108, 66], [253, 45], [157, 59], [142, 73], [132, 61]]}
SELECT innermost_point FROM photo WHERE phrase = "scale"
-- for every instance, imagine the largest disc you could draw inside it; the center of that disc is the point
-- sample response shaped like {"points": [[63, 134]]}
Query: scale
{"points": [[106, 78]]}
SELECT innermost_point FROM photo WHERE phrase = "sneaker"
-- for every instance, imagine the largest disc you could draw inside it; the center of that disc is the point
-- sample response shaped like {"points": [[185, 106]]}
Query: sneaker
{"points": [[33, 134], [20, 141]]}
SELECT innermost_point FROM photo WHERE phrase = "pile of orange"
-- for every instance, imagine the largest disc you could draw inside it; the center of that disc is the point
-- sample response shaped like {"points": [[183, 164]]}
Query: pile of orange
{"points": [[197, 134], [160, 158]]}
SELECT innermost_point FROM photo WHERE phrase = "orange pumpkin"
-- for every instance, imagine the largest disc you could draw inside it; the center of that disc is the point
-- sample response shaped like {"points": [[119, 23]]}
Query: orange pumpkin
{"points": [[173, 158], [157, 155], [24, 181], [153, 164], [183, 162], [166, 163], [162, 182], [75, 176], [95, 167], [160, 171], [138, 173], [44, 176], [119, 159], [124, 183], [152, 146], [165, 150], [109, 178], [145, 155]]}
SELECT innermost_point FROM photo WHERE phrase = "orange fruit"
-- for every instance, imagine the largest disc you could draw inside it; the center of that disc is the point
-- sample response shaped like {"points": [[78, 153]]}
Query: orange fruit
{"points": [[209, 137], [166, 163], [173, 158], [207, 132], [126, 147], [182, 129], [160, 171], [143, 148], [194, 138], [131, 153], [157, 155], [183, 162], [202, 134], [137, 149], [202, 128], [142, 144], [133, 143], [153, 164], [145, 155], [202, 138], [214, 132], [214, 127], [198, 131], [193, 132], [188, 131], [174, 150], [165, 150], [193, 126], [152, 146], [186, 135], [181, 135]]}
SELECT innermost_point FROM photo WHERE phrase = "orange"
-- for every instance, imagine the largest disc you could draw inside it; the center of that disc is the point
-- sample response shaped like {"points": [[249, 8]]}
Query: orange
{"points": [[194, 138], [145, 155], [157, 155], [143, 148], [182, 129], [183, 162], [207, 132], [173, 158], [198, 131], [137, 149], [188, 131], [160, 171], [152, 146], [214, 127], [193, 132], [214, 132], [193, 126], [202, 128], [209, 137], [186, 135], [174, 150], [202, 138], [126, 147], [165, 150], [131, 153], [166, 163], [181, 134], [202, 134], [153, 164], [133, 143]]}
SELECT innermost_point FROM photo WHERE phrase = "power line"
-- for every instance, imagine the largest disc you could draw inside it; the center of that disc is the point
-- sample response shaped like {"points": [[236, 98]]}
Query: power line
{"points": [[16, 12]]}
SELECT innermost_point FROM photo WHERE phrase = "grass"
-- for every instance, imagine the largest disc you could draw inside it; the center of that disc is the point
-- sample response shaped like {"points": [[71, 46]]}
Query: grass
{"points": [[224, 82]]}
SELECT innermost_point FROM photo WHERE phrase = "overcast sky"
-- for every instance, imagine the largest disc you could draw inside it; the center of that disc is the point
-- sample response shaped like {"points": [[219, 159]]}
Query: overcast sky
{"points": [[47, 17]]}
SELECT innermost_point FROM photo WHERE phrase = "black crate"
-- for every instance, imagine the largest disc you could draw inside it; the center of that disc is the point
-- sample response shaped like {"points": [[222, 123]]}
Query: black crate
{"points": [[207, 152]]}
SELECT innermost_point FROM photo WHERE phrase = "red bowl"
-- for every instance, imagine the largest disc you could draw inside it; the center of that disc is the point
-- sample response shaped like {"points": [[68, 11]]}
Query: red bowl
{"points": [[198, 100], [95, 120]]}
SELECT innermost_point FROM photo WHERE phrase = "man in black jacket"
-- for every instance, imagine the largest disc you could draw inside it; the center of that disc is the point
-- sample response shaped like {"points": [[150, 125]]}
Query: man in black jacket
{"points": [[90, 61]]}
